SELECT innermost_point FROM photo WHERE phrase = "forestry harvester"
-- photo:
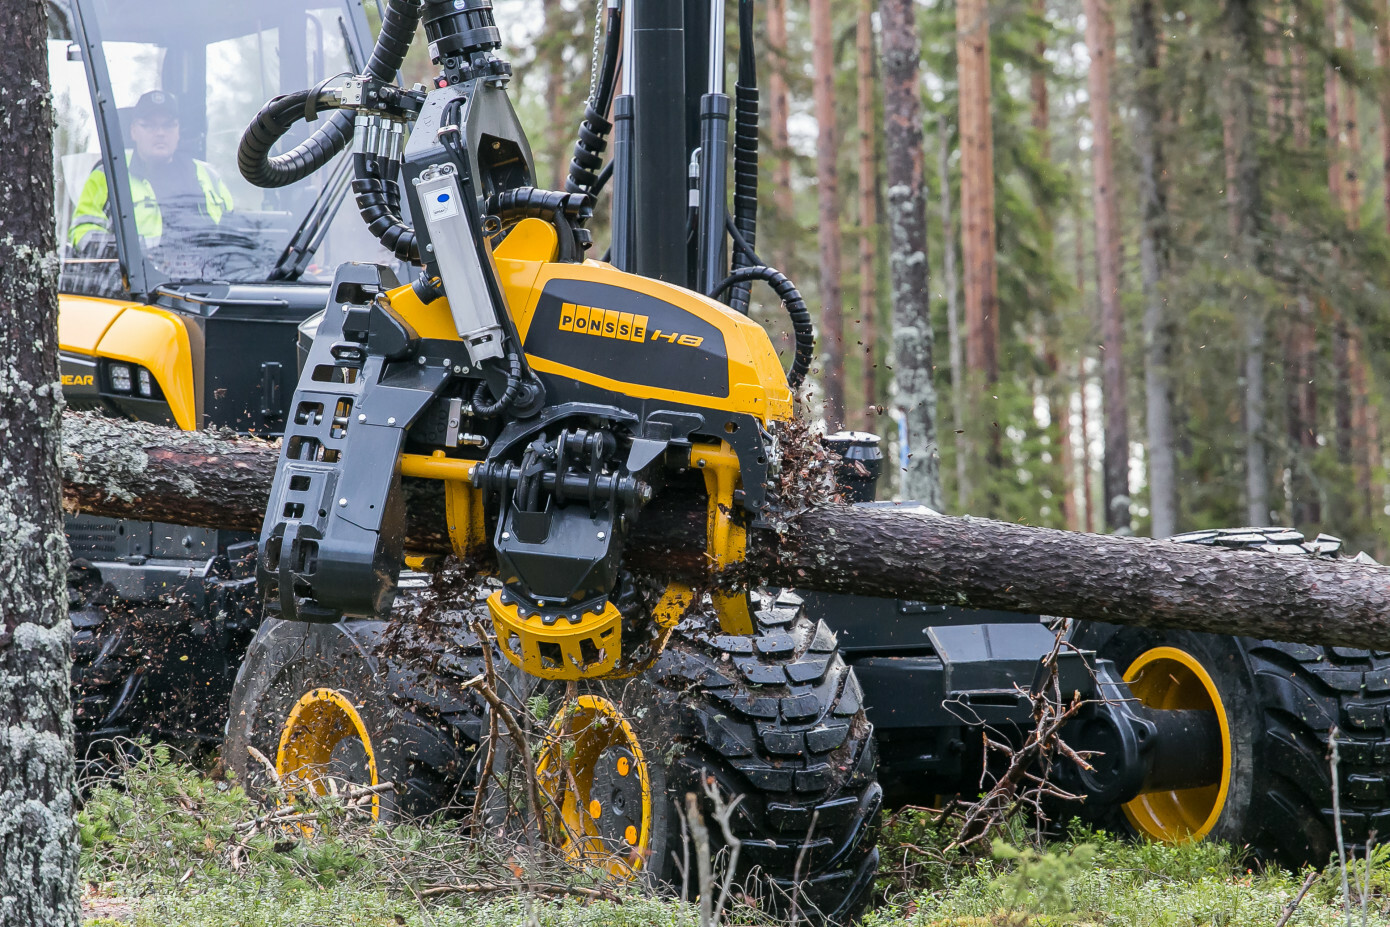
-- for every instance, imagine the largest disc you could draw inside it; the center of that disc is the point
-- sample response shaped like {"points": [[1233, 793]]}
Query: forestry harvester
{"points": [[554, 398]]}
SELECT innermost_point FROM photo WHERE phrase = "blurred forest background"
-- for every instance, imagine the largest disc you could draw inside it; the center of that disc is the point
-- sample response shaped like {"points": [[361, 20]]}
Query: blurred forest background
{"points": [[1157, 253]]}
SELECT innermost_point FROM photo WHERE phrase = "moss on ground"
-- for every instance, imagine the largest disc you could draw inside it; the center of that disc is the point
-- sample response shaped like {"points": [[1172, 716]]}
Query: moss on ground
{"points": [[167, 846]]}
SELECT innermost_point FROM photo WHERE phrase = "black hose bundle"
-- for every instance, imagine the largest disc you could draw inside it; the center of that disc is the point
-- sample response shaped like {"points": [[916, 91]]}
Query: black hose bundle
{"points": [[584, 176], [566, 211], [745, 152], [792, 301], [487, 409], [380, 209], [278, 116]]}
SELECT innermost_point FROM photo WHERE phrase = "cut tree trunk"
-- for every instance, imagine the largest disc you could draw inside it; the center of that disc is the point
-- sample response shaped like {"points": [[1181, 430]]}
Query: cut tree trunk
{"points": [[38, 833], [914, 386], [891, 551]]}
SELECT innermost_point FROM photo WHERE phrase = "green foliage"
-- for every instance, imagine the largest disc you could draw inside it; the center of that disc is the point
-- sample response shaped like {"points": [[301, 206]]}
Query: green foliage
{"points": [[157, 840], [1040, 881], [1093, 879]]}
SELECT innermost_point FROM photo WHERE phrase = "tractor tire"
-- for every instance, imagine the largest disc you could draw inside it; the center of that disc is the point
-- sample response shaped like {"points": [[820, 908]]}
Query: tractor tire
{"points": [[367, 714], [776, 720], [1282, 702], [106, 677], [155, 670]]}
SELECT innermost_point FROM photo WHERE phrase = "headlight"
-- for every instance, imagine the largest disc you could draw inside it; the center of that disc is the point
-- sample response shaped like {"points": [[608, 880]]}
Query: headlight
{"points": [[120, 377], [146, 382]]}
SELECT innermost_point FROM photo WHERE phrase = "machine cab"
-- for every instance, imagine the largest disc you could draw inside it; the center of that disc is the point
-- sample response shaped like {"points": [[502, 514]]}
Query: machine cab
{"points": [[182, 284]]}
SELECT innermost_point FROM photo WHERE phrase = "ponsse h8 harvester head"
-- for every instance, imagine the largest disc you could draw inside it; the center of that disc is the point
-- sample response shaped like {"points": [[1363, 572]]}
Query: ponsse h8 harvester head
{"points": [[554, 396]]}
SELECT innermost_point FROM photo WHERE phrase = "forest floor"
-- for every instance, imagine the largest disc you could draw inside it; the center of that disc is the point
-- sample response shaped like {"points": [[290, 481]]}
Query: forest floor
{"points": [[165, 845]]}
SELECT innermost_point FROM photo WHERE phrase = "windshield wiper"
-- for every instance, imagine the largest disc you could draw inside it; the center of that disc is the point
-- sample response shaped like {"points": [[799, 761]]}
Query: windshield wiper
{"points": [[306, 239]]}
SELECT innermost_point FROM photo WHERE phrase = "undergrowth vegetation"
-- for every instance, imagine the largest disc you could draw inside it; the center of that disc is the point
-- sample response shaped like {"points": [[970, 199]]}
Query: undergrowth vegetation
{"points": [[165, 845]]}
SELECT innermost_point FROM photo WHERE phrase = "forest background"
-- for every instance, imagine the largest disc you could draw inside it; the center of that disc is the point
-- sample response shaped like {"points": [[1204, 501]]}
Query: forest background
{"points": [[1157, 252]]}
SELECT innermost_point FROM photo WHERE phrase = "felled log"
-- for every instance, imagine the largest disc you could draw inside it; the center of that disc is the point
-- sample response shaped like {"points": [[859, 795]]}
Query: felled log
{"points": [[133, 470]]}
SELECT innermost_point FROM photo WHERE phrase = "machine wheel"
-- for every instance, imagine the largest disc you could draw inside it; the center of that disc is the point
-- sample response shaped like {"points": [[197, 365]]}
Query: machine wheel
{"points": [[775, 717], [106, 676], [334, 699], [1277, 704]]}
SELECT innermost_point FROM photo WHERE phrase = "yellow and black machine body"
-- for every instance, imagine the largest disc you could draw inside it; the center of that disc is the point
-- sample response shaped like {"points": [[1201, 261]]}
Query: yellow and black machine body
{"points": [[555, 393]]}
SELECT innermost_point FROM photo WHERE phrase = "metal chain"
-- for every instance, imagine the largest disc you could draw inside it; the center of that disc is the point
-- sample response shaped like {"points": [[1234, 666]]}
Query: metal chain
{"points": [[593, 58]]}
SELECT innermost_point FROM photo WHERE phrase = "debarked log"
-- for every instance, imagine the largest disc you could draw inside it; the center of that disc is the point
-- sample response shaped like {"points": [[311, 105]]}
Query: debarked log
{"points": [[136, 470]]}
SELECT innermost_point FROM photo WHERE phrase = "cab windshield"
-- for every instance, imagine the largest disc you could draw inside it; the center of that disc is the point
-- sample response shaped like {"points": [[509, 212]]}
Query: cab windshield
{"points": [[178, 81]]}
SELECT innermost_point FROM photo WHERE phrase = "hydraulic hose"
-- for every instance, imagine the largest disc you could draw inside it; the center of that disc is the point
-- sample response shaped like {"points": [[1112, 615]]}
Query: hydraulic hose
{"points": [[745, 149], [278, 116], [376, 204], [566, 211], [584, 176], [487, 409], [802, 329]]}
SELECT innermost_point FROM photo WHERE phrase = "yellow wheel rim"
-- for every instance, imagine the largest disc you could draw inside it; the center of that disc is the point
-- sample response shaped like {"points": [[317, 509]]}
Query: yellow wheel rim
{"points": [[1172, 679], [321, 721], [598, 789]]}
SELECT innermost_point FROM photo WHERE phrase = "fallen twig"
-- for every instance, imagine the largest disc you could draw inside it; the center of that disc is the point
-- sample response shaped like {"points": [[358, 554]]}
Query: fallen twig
{"points": [[1294, 902], [539, 888]]}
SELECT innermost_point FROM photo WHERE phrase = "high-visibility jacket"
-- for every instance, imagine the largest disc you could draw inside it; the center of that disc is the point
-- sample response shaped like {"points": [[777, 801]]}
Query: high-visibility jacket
{"points": [[94, 207]]}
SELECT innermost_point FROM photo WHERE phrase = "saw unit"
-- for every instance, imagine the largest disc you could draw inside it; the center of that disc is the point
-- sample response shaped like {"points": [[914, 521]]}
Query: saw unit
{"points": [[553, 394]]}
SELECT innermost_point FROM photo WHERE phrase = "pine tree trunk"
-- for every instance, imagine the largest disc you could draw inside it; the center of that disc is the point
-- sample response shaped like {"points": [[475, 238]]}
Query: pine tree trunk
{"points": [[1087, 514], [1336, 175], [1058, 391], [1382, 44], [978, 251], [832, 335], [915, 390], [560, 130], [1245, 64], [951, 284], [1364, 450], [1153, 263], [868, 211], [778, 105], [1100, 41], [890, 551], [38, 834], [1331, 101], [1302, 360]]}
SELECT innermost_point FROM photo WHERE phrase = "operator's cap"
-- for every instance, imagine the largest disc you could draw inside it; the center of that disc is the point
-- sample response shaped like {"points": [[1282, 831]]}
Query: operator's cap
{"points": [[157, 103]]}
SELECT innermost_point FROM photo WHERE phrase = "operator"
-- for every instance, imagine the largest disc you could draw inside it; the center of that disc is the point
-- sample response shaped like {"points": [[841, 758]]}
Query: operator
{"points": [[173, 194]]}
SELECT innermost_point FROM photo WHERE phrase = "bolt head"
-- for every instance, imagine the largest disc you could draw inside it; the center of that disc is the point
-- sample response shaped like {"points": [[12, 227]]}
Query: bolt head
{"points": [[506, 535], [391, 421], [601, 535], [342, 503], [362, 417]]}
